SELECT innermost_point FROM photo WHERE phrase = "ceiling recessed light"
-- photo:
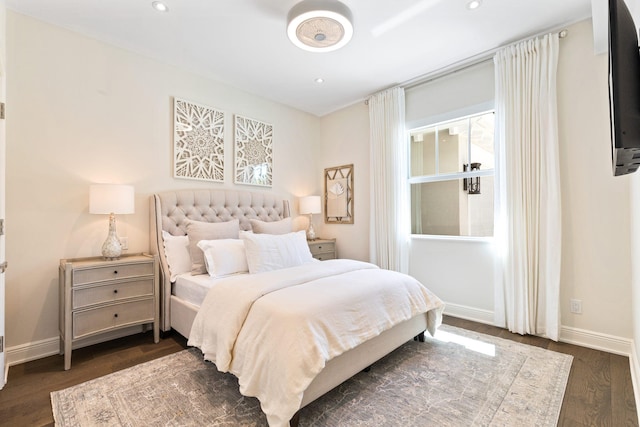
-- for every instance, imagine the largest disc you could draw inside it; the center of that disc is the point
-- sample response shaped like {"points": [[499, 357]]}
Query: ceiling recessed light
{"points": [[319, 80], [474, 4], [319, 26], [159, 6]]}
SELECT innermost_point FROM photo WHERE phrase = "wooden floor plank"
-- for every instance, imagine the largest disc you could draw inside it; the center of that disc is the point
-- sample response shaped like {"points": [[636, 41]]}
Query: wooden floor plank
{"points": [[623, 404], [599, 390]]}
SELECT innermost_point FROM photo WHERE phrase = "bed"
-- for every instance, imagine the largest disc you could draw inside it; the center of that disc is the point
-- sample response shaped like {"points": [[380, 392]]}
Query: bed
{"points": [[186, 299]]}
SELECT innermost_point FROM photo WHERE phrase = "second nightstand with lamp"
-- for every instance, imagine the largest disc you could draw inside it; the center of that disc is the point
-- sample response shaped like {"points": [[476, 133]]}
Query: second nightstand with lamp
{"points": [[321, 249]]}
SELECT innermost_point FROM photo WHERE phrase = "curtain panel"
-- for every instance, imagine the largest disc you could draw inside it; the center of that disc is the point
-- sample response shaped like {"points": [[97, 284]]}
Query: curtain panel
{"points": [[389, 230], [528, 212]]}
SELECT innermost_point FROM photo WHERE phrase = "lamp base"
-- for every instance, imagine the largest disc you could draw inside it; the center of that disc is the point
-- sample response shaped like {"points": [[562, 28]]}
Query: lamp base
{"points": [[112, 248], [311, 233]]}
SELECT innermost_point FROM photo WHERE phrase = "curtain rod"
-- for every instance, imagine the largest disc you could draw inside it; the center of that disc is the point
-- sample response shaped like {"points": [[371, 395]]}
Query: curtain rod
{"points": [[468, 62]]}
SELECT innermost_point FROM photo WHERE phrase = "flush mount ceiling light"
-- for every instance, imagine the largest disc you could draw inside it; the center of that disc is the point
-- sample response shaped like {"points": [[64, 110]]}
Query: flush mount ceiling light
{"points": [[159, 6], [319, 25], [474, 4]]}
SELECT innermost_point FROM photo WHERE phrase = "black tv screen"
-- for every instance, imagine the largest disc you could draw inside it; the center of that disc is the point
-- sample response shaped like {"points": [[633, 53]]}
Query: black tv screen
{"points": [[624, 89]]}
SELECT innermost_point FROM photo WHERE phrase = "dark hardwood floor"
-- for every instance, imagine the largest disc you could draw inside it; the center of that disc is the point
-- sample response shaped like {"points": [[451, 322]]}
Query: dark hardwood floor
{"points": [[599, 391]]}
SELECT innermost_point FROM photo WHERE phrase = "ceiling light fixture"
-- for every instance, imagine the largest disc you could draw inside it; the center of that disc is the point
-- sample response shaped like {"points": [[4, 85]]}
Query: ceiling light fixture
{"points": [[474, 4], [319, 80], [319, 25], [159, 6]]}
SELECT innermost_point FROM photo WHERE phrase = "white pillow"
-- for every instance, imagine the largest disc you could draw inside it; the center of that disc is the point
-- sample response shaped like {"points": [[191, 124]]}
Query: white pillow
{"points": [[266, 252], [224, 257], [283, 226], [198, 230], [176, 249]]}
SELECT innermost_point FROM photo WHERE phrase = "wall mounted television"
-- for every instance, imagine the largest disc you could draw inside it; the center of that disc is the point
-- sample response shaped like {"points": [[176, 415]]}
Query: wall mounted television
{"points": [[624, 89]]}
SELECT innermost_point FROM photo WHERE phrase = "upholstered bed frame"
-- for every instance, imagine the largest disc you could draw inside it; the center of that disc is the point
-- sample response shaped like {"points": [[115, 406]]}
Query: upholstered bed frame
{"points": [[168, 211]]}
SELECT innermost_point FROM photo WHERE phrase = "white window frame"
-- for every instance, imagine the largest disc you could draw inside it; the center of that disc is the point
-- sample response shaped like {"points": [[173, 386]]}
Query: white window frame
{"points": [[438, 177]]}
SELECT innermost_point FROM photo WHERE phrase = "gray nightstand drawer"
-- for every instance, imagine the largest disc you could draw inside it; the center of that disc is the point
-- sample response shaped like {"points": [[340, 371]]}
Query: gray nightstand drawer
{"points": [[102, 319], [325, 256], [94, 295], [323, 249], [99, 274], [320, 247]]}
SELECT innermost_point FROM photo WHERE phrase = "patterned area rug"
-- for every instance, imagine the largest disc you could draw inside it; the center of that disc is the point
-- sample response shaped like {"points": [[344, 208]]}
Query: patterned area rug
{"points": [[459, 378]]}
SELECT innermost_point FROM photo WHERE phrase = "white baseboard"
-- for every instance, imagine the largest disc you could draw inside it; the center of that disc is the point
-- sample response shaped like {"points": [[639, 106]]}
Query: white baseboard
{"points": [[469, 313], [569, 335], [37, 350], [31, 351], [596, 340]]}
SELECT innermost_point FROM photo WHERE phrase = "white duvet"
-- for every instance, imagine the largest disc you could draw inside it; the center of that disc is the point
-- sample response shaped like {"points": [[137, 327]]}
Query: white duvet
{"points": [[275, 331]]}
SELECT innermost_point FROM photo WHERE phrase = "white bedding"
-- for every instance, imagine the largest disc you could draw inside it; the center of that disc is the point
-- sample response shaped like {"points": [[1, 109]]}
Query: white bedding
{"points": [[276, 330], [193, 288]]}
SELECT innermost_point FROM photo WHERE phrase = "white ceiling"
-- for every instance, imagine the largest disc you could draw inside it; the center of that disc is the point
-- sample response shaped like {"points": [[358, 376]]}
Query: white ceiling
{"points": [[243, 42]]}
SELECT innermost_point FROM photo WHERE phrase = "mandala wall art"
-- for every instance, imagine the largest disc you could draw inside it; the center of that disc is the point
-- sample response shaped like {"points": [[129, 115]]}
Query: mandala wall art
{"points": [[254, 152], [198, 142]]}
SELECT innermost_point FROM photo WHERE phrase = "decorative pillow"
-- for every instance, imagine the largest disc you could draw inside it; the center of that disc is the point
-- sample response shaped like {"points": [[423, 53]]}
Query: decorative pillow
{"points": [[198, 230], [176, 249], [266, 252], [283, 226], [224, 257]]}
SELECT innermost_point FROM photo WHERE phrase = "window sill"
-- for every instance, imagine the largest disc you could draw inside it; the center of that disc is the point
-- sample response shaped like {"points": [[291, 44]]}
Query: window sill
{"points": [[452, 238]]}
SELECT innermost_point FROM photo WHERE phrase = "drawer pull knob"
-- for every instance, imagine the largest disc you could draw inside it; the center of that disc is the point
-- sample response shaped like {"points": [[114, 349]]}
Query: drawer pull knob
{"points": [[115, 272], [319, 247], [115, 291], [115, 315]]}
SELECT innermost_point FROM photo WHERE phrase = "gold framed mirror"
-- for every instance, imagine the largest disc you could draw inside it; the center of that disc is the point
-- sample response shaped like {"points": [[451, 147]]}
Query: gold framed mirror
{"points": [[338, 195]]}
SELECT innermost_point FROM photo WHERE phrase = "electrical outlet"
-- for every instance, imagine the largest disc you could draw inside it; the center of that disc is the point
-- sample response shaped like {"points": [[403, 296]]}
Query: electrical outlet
{"points": [[124, 242], [576, 306]]}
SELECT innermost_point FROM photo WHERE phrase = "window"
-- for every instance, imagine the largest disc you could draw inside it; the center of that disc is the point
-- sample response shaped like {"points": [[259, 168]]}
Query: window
{"points": [[451, 177]]}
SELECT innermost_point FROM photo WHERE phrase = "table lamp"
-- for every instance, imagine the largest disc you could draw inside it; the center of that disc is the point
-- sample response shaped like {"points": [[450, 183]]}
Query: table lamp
{"points": [[111, 199], [308, 206]]}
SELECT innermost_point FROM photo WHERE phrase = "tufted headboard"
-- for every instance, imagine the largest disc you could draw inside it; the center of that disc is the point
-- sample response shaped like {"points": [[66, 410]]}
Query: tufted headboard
{"points": [[169, 210]]}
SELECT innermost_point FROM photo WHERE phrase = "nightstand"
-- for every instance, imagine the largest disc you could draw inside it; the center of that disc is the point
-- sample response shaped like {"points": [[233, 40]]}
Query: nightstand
{"points": [[323, 249], [99, 296]]}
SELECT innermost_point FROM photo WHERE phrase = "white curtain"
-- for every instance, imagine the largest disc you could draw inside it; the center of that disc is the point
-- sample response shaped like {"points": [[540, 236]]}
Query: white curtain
{"points": [[528, 219], [389, 211]]}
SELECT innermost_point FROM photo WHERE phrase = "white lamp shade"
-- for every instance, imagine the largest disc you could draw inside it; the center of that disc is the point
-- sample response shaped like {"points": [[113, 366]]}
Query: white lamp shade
{"points": [[111, 198], [310, 205]]}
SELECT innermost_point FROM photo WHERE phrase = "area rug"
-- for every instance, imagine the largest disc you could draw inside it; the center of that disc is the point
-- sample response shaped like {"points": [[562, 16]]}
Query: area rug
{"points": [[458, 378]]}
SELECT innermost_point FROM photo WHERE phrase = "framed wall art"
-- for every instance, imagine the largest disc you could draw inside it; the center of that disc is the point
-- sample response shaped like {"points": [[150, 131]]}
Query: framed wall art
{"points": [[254, 152], [338, 195], [198, 142]]}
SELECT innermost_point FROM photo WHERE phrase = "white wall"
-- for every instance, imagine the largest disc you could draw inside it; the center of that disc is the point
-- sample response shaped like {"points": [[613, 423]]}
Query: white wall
{"points": [[634, 236], [596, 265], [345, 140], [81, 111], [459, 271], [635, 284]]}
